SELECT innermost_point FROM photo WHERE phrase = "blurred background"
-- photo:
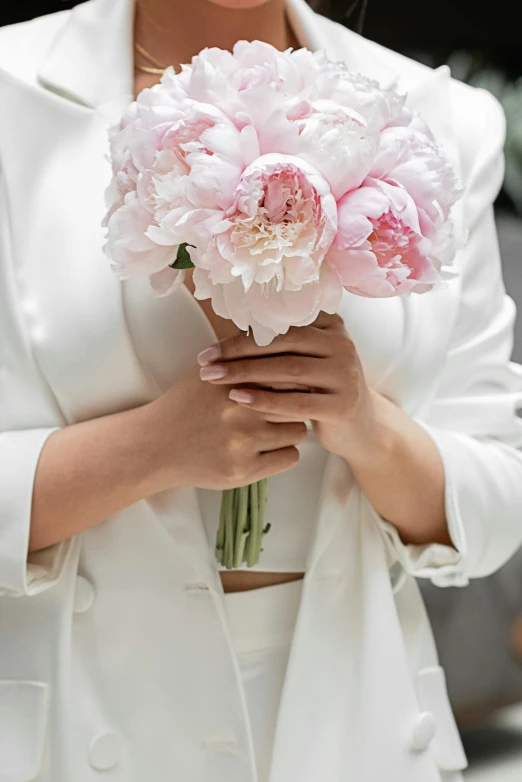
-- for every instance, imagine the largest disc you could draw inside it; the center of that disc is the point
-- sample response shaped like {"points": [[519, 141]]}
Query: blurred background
{"points": [[478, 628]]}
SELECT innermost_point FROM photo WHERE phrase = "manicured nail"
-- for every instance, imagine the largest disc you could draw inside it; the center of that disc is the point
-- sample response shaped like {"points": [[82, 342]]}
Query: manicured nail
{"points": [[209, 354], [214, 372], [240, 395]]}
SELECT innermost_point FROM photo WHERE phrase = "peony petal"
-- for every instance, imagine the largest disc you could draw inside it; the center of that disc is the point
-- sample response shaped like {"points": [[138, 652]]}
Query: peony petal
{"points": [[367, 200], [166, 281], [284, 308], [357, 268], [264, 335], [236, 304], [354, 227], [249, 144], [331, 288]]}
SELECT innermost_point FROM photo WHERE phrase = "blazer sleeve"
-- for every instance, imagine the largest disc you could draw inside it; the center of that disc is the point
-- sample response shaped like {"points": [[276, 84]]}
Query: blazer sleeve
{"points": [[28, 416], [474, 418]]}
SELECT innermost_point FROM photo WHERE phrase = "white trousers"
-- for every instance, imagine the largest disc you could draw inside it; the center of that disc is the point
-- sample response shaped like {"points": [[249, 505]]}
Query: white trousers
{"points": [[262, 623]]}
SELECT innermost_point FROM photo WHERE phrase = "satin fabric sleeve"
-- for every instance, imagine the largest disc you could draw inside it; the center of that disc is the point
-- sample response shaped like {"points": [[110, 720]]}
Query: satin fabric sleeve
{"points": [[474, 418], [28, 416]]}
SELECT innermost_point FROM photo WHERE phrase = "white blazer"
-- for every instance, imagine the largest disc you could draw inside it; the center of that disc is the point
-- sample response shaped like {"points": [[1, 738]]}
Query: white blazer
{"points": [[114, 651]]}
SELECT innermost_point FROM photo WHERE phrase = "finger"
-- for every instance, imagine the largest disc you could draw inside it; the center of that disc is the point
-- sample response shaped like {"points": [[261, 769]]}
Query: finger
{"points": [[280, 435], [288, 387], [274, 462], [296, 406], [305, 370], [306, 340]]}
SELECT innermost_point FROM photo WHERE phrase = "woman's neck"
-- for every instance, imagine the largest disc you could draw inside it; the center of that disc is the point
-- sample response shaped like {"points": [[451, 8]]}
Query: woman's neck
{"points": [[172, 31]]}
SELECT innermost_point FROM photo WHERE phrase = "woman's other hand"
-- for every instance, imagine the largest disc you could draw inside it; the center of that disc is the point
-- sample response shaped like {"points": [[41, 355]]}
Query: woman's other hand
{"points": [[198, 436]]}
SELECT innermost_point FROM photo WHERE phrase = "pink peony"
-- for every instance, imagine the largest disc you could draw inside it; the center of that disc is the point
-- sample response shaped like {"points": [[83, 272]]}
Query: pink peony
{"points": [[288, 176], [271, 244], [409, 158], [379, 249]]}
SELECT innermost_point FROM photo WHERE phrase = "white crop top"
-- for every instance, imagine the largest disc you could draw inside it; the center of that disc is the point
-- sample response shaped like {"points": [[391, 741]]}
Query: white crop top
{"points": [[376, 326]]}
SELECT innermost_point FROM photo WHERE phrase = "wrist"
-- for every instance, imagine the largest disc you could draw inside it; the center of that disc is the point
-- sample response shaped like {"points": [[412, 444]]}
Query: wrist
{"points": [[400, 470], [158, 468], [377, 438]]}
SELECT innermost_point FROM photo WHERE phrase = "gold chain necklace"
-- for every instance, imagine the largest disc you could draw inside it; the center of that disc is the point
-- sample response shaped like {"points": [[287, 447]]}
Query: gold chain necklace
{"points": [[146, 68]]}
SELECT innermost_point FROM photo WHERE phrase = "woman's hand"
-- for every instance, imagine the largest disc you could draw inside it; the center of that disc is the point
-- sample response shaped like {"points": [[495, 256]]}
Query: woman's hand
{"points": [[320, 357], [196, 436]]}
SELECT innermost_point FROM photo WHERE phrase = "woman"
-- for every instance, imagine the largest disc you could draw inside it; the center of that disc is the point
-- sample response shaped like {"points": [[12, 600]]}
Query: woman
{"points": [[123, 647]]}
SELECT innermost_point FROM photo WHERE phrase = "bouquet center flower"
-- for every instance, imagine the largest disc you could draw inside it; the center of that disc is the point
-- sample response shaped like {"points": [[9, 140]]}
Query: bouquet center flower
{"points": [[280, 226]]}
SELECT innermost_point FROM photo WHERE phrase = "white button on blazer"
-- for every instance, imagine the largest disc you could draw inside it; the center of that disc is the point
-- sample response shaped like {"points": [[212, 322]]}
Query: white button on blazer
{"points": [[115, 653]]}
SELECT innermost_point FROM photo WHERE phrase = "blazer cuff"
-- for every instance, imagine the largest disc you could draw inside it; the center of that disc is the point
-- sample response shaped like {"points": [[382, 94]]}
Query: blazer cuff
{"points": [[441, 564], [22, 573]]}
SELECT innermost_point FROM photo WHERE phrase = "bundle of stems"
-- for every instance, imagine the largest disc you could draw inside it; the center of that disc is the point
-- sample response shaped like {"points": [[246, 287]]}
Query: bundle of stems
{"points": [[241, 525], [241, 519]]}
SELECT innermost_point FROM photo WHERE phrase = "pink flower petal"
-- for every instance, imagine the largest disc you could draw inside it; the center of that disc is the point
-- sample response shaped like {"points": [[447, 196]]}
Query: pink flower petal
{"points": [[166, 281]]}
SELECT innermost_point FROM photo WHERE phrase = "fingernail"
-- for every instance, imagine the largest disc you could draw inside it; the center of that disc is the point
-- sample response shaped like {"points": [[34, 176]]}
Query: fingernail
{"points": [[213, 372], [209, 354], [240, 395]]}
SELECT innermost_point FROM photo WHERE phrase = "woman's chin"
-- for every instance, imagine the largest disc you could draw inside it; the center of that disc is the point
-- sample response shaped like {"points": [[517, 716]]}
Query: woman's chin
{"points": [[238, 4]]}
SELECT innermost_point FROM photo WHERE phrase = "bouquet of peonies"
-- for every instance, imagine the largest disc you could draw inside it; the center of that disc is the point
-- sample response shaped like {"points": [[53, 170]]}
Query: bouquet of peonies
{"points": [[282, 178]]}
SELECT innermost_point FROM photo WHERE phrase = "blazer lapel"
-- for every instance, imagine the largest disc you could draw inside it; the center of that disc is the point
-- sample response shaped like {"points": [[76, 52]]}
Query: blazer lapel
{"points": [[91, 59]]}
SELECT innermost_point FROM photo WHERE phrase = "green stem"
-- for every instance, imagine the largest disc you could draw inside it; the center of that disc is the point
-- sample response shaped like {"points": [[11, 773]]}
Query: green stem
{"points": [[241, 555], [229, 527], [249, 540], [263, 497], [240, 526], [235, 531], [220, 539], [252, 553]]}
